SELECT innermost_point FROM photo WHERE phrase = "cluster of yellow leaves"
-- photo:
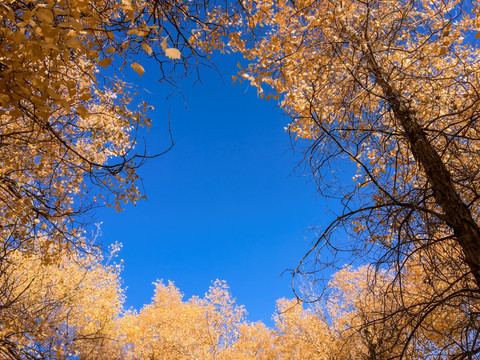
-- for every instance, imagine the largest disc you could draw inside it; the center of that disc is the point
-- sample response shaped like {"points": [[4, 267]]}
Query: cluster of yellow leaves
{"points": [[62, 125], [215, 328], [73, 308], [171, 328], [419, 313], [65, 129], [367, 315], [57, 310]]}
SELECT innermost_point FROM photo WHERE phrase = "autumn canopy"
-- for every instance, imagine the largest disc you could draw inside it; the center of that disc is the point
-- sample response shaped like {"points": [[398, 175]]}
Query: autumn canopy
{"points": [[390, 86]]}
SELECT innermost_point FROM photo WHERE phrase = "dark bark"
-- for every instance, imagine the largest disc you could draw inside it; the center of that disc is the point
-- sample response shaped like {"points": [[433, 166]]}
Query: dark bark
{"points": [[458, 215]]}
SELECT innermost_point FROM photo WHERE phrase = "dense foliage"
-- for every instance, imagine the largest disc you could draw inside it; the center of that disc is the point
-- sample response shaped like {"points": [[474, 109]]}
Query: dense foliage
{"points": [[392, 86]]}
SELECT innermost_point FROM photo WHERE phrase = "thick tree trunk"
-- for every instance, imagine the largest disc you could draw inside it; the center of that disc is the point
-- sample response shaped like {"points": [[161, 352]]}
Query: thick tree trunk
{"points": [[460, 219]]}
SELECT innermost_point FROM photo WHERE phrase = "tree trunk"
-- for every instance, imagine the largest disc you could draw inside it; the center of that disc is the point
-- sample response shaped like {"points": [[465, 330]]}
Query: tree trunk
{"points": [[460, 219]]}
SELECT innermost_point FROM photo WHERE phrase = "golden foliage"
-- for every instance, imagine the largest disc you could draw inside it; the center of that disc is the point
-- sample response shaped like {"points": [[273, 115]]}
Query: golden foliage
{"points": [[391, 85], [67, 130], [57, 310], [171, 328], [67, 142]]}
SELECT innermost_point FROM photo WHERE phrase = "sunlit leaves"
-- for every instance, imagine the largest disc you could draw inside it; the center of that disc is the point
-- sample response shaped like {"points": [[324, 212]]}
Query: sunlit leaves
{"points": [[147, 48], [66, 127], [173, 53], [172, 328], [57, 307], [105, 62], [138, 68], [67, 145]]}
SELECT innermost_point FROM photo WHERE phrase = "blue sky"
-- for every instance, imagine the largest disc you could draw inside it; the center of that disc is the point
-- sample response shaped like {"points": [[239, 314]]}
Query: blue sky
{"points": [[224, 203]]}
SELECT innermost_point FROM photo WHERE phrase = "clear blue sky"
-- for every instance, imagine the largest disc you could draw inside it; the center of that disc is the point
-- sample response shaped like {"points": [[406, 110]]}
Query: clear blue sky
{"points": [[223, 203]]}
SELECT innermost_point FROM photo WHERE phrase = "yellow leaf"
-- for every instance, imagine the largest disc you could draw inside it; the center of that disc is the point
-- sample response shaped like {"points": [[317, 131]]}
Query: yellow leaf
{"points": [[49, 46], [105, 62], [85, 96], [147, 49], [82, 112], [164, 44], [77, 25], [45, 15], [138, 68], [173, 53], [74, 43]]}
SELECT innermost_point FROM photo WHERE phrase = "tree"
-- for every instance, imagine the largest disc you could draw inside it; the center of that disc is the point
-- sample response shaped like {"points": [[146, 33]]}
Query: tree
{"points": [[421, 317], [171, 328], [68, 128], [215, 328], [305, 334], [392, 86], [68, 132], [59, 310]]}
